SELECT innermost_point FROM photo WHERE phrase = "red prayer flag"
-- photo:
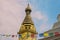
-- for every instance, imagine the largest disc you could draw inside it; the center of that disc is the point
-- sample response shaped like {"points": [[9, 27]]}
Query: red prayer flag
{"points": [[32, 35], [12, 35], [57, 34]]}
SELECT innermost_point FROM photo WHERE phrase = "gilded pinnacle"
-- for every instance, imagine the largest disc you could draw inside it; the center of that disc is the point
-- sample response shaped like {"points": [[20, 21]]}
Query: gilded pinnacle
{"points": [[28, 8]]}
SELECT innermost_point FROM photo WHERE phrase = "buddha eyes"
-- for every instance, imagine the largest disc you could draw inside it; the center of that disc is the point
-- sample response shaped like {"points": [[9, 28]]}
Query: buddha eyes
{"points": [[27, 26]]}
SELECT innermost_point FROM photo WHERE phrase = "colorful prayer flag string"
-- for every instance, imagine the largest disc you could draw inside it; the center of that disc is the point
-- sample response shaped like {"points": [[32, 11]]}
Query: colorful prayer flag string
{"points": [[46, 34]]}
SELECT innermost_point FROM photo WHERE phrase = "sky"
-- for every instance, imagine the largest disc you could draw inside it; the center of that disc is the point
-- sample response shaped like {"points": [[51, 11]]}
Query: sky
{"points": [[12, 13]]}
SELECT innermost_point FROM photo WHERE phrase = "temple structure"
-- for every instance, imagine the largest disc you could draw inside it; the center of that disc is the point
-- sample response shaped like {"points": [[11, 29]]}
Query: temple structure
{"points": [[27, 29]]}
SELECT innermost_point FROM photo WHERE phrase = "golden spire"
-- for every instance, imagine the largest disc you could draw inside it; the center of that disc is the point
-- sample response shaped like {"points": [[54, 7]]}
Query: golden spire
{"points": [[27, 25], [28, 9]]}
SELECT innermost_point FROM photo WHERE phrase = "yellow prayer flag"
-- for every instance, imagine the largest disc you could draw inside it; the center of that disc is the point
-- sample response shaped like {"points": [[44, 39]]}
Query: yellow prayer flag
{"points": [[24, 34], [7, 35], [46, 34]]}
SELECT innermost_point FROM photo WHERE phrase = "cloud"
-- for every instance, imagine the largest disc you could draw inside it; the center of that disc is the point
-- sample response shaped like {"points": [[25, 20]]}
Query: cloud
{"points": [[11, 16], [11, 12], [41, 16]]}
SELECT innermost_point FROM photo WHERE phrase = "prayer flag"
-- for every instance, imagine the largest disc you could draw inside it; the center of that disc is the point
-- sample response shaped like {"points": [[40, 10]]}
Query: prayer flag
{"points": [[19, 35], [57, 34], [51, 34], [46, 34], [13, 35], [7, 35], [41, 35], [32, 35], [27, 35]]}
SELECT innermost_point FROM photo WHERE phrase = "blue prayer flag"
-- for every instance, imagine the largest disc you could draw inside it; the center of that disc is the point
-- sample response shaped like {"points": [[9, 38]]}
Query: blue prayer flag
{"points": [[41, 35], [19, 35]]}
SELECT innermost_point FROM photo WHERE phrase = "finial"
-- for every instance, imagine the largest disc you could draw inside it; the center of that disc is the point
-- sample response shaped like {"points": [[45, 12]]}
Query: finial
{"points": [[28, 8]]}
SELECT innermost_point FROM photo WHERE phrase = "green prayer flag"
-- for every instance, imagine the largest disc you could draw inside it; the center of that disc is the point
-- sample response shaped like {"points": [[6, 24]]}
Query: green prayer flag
{"points": [[27, 35], [51, 34]]}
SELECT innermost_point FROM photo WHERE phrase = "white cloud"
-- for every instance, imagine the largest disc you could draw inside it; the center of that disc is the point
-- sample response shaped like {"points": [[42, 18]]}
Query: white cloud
{"points": [[40, 16], [11, 16], [11, 12]]}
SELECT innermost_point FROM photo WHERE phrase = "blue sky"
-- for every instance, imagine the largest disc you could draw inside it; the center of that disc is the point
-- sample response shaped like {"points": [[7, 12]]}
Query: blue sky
{"points": [[11, 15], [50, 8]]}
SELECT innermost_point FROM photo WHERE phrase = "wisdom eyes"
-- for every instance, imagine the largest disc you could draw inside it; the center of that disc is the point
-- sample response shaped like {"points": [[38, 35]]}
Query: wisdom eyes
{"points": [[27, 26]]}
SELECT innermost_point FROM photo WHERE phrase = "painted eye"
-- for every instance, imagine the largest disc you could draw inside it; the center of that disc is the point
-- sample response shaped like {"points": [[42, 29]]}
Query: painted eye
{"points": [[25, 27]]}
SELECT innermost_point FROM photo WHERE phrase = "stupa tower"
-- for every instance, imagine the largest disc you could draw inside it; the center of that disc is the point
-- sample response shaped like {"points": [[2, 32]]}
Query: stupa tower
{"points": [[27, 29]]}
